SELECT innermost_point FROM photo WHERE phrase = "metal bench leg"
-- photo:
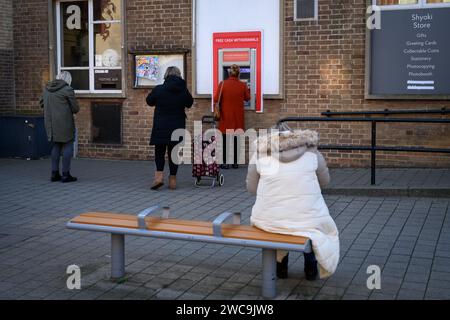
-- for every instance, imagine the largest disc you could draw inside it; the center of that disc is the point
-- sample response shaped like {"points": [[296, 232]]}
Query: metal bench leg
{"points": [[269, 277], [117, 256]]}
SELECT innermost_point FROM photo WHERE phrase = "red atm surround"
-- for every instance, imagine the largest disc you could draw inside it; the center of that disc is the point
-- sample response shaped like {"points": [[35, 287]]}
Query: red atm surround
{"points": [[236, 40]]}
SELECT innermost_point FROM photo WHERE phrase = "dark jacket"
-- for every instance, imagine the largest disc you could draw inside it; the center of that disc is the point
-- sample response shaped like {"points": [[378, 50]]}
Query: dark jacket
{"points": [[59, 103], [170, 99]]}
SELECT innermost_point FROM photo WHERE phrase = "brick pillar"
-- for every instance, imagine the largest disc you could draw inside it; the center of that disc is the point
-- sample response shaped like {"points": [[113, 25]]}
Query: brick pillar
{"points": [[7, 104]]}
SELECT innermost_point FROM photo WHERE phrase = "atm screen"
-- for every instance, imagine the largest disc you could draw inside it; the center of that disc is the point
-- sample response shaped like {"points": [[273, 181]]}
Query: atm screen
{"points": [[245, 73]]}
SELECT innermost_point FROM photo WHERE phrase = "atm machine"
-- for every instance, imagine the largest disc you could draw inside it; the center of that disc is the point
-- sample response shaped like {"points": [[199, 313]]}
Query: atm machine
{"points": [[246, 59]]}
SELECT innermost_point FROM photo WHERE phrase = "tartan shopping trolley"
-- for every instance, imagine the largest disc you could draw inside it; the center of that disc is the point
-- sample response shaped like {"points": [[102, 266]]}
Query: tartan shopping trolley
{"points": [[206, 167]]}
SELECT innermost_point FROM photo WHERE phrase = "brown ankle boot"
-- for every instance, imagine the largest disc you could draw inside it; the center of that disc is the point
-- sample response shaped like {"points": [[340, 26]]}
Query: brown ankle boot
{"points": [[172, 182], [158, 181]]}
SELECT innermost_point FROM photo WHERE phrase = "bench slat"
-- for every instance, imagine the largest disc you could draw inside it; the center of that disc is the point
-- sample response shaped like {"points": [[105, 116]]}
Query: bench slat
{"points": [[133, 218], [197, 223], [185, 226], [154, 220]]}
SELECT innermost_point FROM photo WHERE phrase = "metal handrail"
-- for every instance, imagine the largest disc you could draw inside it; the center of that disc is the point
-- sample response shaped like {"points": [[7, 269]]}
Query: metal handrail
{"points": [[373, 148], [442, 111]]}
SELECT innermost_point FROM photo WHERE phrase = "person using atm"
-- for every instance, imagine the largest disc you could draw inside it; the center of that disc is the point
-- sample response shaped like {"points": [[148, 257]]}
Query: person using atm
{"points": [[232, 93]]}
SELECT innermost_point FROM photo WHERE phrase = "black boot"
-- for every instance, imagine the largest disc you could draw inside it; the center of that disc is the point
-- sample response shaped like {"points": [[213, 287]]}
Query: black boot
{"points": [[55, 176], [282, 267], [66, 177], [311, 270]]}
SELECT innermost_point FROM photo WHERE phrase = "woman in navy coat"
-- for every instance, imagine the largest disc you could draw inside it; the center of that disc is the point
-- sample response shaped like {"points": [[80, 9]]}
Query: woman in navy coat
{"points": [[170, 100]]}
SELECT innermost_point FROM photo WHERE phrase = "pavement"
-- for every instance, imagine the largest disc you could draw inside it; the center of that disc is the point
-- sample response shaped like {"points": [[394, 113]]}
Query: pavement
{"points": [[408, 238], [412, 182]]}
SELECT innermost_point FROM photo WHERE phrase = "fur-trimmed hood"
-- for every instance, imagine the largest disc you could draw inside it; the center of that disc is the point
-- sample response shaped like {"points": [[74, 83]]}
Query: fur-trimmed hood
{"points": [[287, 146]]}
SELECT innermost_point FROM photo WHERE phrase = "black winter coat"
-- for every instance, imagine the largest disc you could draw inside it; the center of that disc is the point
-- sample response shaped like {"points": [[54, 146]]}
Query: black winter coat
{"points": [[170, 99]]}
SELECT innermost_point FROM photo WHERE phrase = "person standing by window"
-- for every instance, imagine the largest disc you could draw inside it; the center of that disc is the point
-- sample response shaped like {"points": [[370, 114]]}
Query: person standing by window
{"points": [[233, 93], [170, 100], [59, 103]]}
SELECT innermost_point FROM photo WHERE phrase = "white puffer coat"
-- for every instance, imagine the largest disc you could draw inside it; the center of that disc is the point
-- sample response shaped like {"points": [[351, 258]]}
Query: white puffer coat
{"points": [[287, 179]]}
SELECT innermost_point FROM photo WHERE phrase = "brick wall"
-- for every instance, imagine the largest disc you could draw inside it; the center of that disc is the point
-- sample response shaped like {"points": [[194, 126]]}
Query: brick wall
{"points": [[6, 58], [324, 69], [31, 59], [162, 25]]}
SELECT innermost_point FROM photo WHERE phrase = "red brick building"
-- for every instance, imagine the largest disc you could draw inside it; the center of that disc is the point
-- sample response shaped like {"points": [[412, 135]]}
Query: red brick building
{"points": [[322, 67]]}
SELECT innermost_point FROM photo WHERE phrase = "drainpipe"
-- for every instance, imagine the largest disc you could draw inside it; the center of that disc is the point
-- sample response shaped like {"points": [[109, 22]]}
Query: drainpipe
{"points": [[51, 39]]}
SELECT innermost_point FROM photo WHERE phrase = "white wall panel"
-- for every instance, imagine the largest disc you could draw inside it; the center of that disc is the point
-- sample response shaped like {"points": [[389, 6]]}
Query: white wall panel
{"points": [[231, 16]]}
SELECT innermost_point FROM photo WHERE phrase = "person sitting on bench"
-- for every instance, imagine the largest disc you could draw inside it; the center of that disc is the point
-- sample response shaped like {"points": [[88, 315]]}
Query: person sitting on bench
{"points": [[286, 174]]}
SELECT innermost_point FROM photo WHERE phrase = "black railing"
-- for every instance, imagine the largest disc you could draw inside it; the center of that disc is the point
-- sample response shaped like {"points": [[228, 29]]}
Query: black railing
{"points": [[373, 148], [386, 112]]}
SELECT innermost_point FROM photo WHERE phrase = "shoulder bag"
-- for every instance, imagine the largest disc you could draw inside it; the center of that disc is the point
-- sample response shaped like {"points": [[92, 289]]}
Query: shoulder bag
{"points": [[216, 105]]}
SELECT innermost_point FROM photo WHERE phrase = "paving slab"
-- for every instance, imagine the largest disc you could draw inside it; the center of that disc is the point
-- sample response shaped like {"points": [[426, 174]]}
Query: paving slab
{"points": [[406, 234]]}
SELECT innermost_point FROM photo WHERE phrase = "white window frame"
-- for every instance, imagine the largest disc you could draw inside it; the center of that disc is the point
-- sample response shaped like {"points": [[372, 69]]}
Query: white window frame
{"points": [[91, 66], [316, 12], [421, 4]]}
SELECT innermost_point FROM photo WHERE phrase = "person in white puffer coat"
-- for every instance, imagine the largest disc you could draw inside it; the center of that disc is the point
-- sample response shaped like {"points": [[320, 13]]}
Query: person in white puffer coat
{"points": [[287, 174]]}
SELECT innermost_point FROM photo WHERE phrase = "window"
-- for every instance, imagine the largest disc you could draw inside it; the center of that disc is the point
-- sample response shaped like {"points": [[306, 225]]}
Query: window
{"points": [[89, 40], [400, 4], [306, 10], [106, 123]]}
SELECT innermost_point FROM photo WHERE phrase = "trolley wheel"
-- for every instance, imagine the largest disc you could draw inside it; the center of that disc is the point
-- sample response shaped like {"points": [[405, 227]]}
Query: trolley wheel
{"points": [[221, 179]]}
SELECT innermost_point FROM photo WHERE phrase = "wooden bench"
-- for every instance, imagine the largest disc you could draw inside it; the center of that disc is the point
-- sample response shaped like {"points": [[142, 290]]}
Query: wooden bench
{"points": [[120, 225]]}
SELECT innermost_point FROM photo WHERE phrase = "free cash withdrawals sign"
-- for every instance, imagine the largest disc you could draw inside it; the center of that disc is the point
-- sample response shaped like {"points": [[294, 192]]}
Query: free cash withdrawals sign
{"points": [[410, 54], [242, 40]]}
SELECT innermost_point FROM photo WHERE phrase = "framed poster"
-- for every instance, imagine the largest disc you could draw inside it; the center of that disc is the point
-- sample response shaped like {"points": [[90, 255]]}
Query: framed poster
{"points": [[149, 68]]}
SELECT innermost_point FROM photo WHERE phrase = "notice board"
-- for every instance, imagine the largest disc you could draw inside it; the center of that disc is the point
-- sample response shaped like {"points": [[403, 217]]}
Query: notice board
{"points": [[410, 54], [149, 68]]}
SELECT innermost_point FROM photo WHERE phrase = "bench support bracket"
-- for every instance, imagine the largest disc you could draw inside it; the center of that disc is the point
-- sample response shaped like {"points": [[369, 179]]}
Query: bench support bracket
{"points": [[269, 276], [117, 255], [217, 223], [143, 214]]}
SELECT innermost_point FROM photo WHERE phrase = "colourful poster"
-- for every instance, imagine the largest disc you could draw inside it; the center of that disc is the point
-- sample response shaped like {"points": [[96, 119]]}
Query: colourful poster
{"points": [[147, 67]]}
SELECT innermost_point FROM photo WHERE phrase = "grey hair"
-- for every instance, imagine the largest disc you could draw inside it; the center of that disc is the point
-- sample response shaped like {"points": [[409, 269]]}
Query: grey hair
{"points": [[66, 76], [172, 71]]}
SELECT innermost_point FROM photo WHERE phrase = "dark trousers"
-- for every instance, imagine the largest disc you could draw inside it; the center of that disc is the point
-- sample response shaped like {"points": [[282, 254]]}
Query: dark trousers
{"points": [[67, 153], [224, 149], [160, 158], [310, 258]]}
